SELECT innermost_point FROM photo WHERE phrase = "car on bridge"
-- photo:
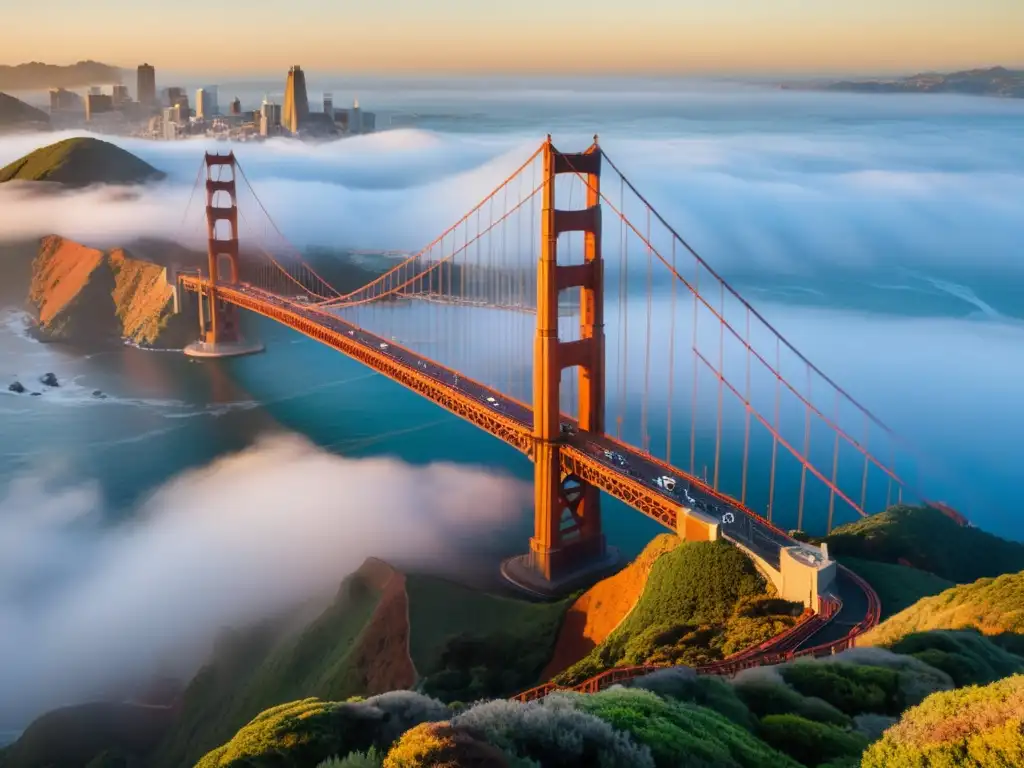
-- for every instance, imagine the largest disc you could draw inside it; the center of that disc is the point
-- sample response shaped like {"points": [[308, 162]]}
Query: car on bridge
{"points": [[667, 484]]}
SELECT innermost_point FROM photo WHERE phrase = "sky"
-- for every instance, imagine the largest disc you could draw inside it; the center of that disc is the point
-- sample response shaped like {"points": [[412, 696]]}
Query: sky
{"points": [[526, 36]]}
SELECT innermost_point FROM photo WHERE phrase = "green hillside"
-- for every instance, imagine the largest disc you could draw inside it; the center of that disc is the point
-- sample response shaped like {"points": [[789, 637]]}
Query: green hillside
{"points": [[928, 540], [702, 602], [898, 586], [80, 162], [971, 727], [991, 606], [469, 645]]}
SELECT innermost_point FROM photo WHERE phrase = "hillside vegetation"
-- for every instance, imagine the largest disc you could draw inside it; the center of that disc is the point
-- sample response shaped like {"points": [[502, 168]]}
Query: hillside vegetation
{"points": [[926, 539], [15, 113], [702, 601], [992, 606], [898, 586], [979, 727], [79, 162]]}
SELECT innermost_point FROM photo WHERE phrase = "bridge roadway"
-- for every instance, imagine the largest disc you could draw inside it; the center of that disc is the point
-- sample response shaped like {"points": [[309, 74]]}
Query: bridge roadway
{"points": [[616, 467]]}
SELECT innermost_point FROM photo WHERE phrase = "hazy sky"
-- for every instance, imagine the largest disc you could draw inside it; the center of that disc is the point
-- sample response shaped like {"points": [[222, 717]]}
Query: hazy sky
{"points": [[466, 36]]}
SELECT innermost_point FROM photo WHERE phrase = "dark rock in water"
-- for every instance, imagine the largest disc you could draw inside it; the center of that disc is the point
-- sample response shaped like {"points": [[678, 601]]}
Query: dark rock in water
{"points": [[49, 380], [16, 387], [99, 394], [36, 394]]}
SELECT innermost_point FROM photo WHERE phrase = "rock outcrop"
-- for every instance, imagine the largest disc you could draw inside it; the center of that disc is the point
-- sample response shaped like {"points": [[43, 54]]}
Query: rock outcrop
{"points": [[83, 294]]}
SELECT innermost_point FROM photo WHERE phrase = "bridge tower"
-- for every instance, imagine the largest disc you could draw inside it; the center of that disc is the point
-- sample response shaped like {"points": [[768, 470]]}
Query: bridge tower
{"points": [[219, 335], [568, 545]]}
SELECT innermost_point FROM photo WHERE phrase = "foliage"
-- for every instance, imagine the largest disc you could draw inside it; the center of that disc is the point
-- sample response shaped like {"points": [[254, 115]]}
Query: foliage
{"points": [[769, 695], [700, 599], [980, 727], [306, 732], [873, 726], [511, 640], [678, 733], [809, 742], [684, 684], [371, 758], [898, 586], [439, 745], [928, 540], [992, 606], [79, 162], [553, 733], [255, 669], [915, 679], [965, 655], [849, 688]]}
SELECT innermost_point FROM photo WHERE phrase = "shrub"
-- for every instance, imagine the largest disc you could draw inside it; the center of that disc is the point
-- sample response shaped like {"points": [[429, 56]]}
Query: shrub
{"points": [[973, 727], [766, 697], [439, 745], [809, 742], [684, 684], [965, 655], [678, 733], [306, 732], [554, 733], [916, 680], [368, 759], [873, 726], [849, 688]]}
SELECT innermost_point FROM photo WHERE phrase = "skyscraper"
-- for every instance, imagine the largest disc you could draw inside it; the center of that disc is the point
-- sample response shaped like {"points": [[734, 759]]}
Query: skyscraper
{"points": [[236, 106], [270, 118], [296, 103], [206, 102], [329, 105], [146, 85], [121, 95]]}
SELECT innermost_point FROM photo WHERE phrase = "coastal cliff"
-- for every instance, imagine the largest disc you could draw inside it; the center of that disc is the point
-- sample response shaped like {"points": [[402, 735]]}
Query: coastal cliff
{"points": [[82, 294]]}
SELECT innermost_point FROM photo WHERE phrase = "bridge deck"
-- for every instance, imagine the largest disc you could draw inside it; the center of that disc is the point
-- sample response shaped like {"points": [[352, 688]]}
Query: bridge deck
{"points": [[510, 420]]}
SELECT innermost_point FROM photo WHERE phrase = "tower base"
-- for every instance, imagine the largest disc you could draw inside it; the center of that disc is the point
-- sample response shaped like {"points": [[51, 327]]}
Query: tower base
{"points": [[520, 573], [223, 349]]}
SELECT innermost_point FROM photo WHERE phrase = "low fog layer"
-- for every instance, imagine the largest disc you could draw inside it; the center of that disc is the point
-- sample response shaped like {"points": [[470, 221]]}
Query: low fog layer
{"points": [[84, 608]]}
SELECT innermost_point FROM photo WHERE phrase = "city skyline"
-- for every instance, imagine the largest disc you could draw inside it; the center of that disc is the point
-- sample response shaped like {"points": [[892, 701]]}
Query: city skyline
{"points": [[597, 37]]}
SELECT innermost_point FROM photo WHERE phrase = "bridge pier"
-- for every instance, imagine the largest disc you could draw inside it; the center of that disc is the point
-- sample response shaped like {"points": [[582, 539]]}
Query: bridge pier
{"points": [[568, 546], [219, 334]]}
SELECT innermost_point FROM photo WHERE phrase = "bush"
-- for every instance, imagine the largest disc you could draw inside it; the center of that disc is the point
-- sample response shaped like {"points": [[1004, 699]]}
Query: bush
{"points": [[553, 733], [850, 689], [809, 742], [684, 684], [968, 657], [439, 745], [369, 759], [306, 732], [973, 727], [916, 680], [873, 726], [678, 733], [766, 697]]}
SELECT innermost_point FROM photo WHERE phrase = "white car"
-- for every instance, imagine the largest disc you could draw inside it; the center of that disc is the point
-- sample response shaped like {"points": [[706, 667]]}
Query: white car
{"points": [[383, 345], [665, 482], [493, 403]]}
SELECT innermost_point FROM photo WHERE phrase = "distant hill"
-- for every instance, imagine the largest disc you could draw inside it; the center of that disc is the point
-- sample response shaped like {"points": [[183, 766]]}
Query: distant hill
{"points": [[15, 113], [36, 75], [995, 81], [80, 162], [926, 539]]}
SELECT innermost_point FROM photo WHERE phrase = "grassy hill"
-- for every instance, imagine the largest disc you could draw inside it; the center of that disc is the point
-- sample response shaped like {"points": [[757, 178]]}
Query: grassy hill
{"points": [[926, 539], [15, 113], [80, 162], [702, 601], [991, 606], [898, 586], [974, 726]]}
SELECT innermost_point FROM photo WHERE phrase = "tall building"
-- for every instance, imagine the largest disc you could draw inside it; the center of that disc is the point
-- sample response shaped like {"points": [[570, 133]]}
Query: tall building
{"points": [[171, 123], [270, 118], [355, 118], [329, 104], [146, 85], [296, 103], [121, 95], [62, 100], [181, 102], [206, 103], [95, 103], [236, 106], [173, 94]]}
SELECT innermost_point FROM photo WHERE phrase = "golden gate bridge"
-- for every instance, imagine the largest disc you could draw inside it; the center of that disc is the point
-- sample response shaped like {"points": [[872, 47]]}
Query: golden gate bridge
{"points": [[595, 340]]}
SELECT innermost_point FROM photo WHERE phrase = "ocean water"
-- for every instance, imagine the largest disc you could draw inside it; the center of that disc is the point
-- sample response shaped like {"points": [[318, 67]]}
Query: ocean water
{"points": [[881, 235]]}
